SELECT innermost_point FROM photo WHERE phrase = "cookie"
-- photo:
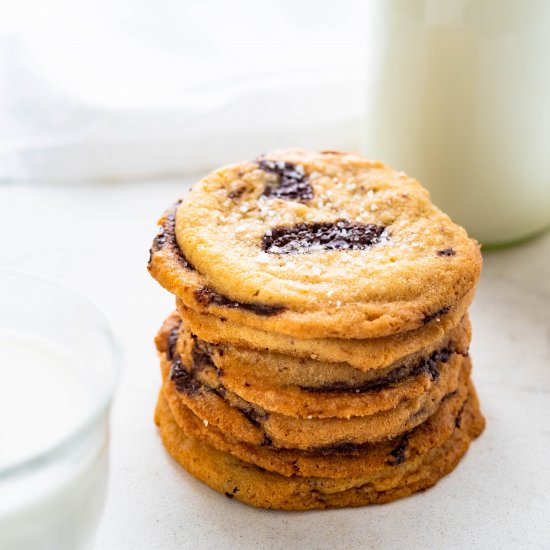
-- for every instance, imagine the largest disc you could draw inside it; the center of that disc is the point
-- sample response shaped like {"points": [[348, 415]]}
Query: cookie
{"points": [[299, 387], [319, 353], [314, 245], [196, 382], [363, 354], [396, 477], [336, 461]]}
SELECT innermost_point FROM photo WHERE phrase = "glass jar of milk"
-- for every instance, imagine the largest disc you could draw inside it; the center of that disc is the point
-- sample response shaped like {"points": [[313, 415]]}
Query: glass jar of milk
{"points": [[460, 99], [58, 370]]}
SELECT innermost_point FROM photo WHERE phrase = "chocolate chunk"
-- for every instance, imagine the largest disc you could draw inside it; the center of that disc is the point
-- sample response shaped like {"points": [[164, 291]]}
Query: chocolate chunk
{"points": [[338, 448], [392, 377], [206, 296], [172, 341], [186, 382], [255, 416], [183, 380], [425, 365], [311, 237], [429, 365], [399, 454], [446, 252], [436, 314], [166, 238], [229, 495], [292, 181]]}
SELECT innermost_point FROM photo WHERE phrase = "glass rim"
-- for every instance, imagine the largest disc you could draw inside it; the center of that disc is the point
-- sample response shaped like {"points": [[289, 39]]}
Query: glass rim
{"points": [[50, 453]]}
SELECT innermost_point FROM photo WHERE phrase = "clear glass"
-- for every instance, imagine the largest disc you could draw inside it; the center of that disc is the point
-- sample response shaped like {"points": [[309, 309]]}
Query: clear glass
{"points": [[460, 100], [52, 498]]}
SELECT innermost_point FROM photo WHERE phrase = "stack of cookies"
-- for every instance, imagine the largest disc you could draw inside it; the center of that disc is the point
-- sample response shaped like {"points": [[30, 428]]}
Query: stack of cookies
{"points": [[318, 356]]}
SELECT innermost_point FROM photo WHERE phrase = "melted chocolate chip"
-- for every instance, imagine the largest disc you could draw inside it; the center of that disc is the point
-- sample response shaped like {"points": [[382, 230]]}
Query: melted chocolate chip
{"points": [[166, 238], [436, 314], [429, 364], [399, 454], [342, 387], [292, 181], [425, 365], [254, 416], [186, 381], [310, 237], [338, 448], [446, 252], [183, 380], [172, 341], [206, 296]]}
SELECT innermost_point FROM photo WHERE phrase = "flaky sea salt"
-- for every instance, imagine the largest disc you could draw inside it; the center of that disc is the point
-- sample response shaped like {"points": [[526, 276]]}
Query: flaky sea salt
{"points": [[262, 258]]}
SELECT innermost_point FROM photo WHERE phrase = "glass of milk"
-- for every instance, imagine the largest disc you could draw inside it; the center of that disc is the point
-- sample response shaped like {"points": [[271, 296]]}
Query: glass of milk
{"points": [[460, 99], [58, 369]]}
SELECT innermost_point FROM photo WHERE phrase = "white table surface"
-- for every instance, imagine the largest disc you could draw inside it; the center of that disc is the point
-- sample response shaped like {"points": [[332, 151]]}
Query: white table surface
{"points": [[96, 238]]}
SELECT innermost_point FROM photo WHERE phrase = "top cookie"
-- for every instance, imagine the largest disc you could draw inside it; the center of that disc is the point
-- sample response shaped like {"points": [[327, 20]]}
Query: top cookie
{"points": [[320, 245]]}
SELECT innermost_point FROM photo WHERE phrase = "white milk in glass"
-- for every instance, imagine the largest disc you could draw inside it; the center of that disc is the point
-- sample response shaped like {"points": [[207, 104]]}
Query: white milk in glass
{"points": [[461, 100], [44, 400]]}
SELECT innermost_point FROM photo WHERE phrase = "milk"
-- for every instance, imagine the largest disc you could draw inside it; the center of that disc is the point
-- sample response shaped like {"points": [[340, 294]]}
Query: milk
{"points": [[45, 399], [460, 101]]}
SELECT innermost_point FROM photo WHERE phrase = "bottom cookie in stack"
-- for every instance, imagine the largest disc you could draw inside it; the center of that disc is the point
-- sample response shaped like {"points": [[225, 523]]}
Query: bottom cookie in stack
{"points": [[231, 453], [388, 474]]}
